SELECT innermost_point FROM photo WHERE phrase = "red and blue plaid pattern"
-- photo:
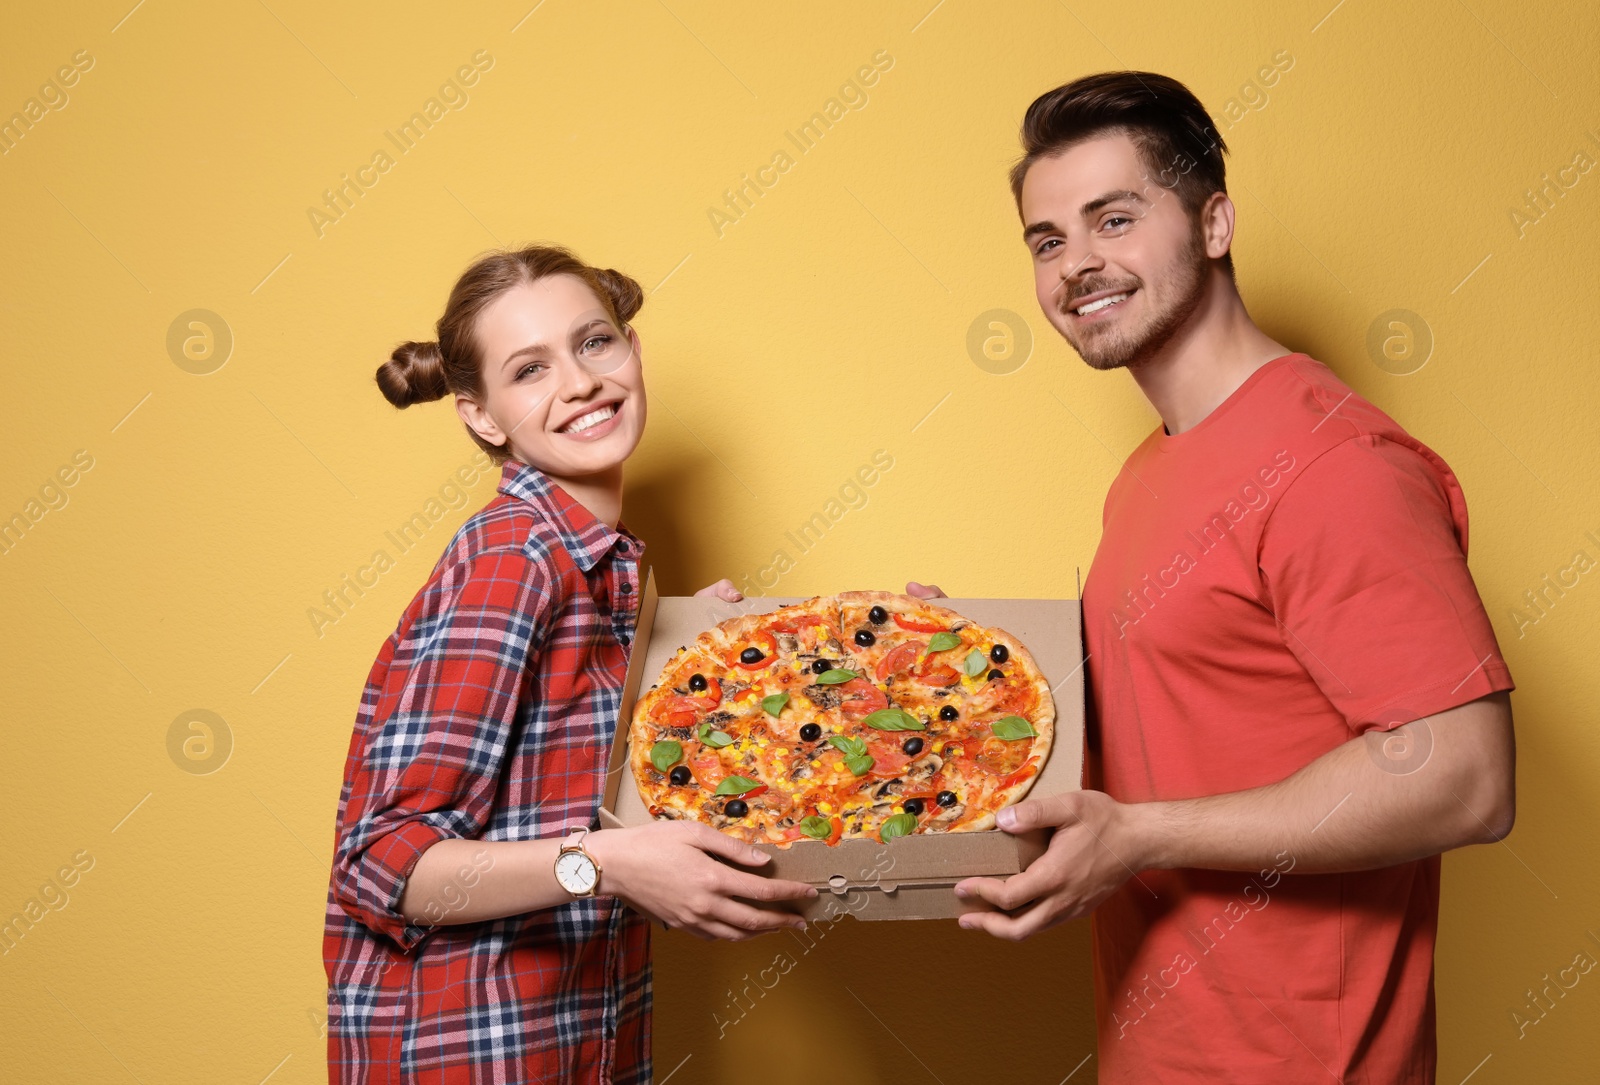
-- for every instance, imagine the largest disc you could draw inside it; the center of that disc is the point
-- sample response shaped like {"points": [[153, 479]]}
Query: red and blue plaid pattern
{"points": [[489, 714]]}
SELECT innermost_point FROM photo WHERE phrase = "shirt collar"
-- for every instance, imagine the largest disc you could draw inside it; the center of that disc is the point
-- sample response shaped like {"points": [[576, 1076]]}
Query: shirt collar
{"points": [[586, 538]]}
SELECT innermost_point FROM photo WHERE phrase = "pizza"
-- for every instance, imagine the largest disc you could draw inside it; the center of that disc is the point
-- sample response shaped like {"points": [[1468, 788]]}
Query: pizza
{"points": [[858, 715]]}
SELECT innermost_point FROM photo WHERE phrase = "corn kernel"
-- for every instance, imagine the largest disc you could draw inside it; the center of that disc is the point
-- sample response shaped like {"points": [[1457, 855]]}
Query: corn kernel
{"points": [[783, 751], [824, 807], [816, 764]]}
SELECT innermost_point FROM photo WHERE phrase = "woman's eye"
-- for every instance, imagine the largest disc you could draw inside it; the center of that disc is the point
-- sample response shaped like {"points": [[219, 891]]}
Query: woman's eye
{"points": [[590, 342], [531, 369]]}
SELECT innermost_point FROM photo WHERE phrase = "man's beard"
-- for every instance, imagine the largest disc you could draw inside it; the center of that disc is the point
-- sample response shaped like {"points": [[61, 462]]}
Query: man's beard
{"points": [[1118, 348]]}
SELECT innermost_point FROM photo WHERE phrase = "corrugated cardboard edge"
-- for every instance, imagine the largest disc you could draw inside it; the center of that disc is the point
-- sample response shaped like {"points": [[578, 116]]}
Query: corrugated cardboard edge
{"points": [[911, 878]]}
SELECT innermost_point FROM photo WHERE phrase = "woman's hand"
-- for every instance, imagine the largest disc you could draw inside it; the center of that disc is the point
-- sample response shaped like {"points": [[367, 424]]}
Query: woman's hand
{"points": [[925, 591], [669, 870], [722, 589]]}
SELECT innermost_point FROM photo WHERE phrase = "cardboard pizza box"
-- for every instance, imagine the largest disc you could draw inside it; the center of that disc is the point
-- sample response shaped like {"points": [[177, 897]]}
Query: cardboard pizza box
{"points": [[910, 877]]}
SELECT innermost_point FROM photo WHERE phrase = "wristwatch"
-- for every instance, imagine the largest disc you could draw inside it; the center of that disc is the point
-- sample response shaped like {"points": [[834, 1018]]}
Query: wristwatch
{"points": [[576, 870]]}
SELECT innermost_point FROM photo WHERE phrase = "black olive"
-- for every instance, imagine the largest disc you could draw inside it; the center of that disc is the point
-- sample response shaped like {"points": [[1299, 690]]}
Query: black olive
{"points": [[680, 775], [948, 712], [820, 665], [913, 806], [752, 655], [865, 638], [877, 615], [945, 798], [999, 653], [736, 808], [697, 682], [810, 732], [996, 675], [912, 746]]}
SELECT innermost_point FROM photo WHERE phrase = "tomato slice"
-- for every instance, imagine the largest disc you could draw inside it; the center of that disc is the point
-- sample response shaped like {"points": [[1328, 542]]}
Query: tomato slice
{"points": [[769, 652], [861, 697], [1020, 775], [797, 623], [888, 759], [899, 658], [915, 626], [937, 675], [707, 770], [681, 716]]}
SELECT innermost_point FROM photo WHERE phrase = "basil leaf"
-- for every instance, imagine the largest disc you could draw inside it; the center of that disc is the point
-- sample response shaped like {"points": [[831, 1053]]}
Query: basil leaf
{"points": [[860, 765], [817, 827], [850, 747], [897, 825], [835, 676], [736, 785], [894, 719], [1012, 728], [941, 642], [665, 754], [774, 704], [976, 663], [709, 736]]}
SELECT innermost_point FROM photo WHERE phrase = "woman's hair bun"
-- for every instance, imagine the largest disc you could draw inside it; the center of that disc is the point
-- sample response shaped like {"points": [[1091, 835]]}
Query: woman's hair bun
{"points": [[414, 373], [627, 296]]}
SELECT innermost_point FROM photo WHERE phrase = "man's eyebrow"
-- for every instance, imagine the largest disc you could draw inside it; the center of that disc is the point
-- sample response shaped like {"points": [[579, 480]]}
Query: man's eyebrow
{"points": [[1047, 227], [1111, 197]]}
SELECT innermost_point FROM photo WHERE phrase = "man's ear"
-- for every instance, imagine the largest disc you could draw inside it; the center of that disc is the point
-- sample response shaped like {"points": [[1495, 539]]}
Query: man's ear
{"points": [[478, 421], [1216, 225]]}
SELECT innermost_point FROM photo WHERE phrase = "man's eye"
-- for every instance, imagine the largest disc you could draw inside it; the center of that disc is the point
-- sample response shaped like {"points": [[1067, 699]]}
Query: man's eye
{"points": [[1047, 245], [1118, 218]]}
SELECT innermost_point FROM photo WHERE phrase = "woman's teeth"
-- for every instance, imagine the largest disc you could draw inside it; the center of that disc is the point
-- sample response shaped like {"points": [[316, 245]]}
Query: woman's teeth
{"points": [[1101, 303], [593, 418]]}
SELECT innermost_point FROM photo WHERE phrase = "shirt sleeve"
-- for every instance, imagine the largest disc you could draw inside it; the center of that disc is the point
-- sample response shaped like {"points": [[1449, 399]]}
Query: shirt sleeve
{"points": [[1365, 568], [427, 766]]}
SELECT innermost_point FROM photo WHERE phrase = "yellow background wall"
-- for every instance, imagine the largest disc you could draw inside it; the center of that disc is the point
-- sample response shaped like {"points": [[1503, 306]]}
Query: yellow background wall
{"points": [[1380, 171]]}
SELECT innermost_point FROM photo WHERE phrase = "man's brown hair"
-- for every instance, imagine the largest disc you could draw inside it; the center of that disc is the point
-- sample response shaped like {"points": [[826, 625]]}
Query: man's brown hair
{"points": [[1180, 147]]}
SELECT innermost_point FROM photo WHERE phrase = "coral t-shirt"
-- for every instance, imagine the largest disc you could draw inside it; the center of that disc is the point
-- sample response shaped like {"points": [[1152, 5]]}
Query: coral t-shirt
{"points": [[1283, 577]]}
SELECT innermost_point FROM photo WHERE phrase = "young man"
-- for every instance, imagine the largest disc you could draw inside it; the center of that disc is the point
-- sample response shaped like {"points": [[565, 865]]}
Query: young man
{"points": [[1298, 698]]}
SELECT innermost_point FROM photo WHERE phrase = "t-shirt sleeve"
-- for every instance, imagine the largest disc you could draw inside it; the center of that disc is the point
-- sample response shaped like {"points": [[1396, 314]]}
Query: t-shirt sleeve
{"points": [[1364, 568], [429, 765]]}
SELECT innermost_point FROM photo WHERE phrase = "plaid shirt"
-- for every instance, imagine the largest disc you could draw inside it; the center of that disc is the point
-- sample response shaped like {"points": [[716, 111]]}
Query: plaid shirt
{"points": [[489, 715]]}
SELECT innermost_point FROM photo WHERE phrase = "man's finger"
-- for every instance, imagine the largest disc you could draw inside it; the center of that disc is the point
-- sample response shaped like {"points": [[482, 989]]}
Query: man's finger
{"points": [[1003, 893], [1013, 928], [1030, 814], [925, 591]]}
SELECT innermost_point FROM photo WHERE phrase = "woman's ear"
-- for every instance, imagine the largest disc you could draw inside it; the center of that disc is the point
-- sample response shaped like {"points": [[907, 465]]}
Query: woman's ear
{"points": [[638, 352], [478, 421]]}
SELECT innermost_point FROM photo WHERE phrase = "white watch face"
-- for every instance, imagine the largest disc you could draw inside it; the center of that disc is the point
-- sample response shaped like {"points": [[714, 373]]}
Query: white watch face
{"points": [[576, 872]]}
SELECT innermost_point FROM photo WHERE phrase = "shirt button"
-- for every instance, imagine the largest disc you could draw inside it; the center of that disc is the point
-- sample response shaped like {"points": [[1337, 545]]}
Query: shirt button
{"points": [[623, 639], [627, 588]]}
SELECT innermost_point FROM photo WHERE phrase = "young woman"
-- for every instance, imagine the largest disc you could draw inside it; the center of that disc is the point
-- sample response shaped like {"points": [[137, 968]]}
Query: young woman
{"points": [[476, 928]]}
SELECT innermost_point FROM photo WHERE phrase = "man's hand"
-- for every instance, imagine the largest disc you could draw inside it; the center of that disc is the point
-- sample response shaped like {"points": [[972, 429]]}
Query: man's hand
{"points": [[925, 591], [722, 589], [1092, 852]]}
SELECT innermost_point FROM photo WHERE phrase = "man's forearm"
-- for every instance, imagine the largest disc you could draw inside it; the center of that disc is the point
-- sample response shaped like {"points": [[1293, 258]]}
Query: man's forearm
{"points": [[1347, 810]]}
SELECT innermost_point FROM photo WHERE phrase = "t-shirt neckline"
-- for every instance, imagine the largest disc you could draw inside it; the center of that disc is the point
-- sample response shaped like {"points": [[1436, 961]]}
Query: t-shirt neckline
{"points": [[1170, 442]]}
